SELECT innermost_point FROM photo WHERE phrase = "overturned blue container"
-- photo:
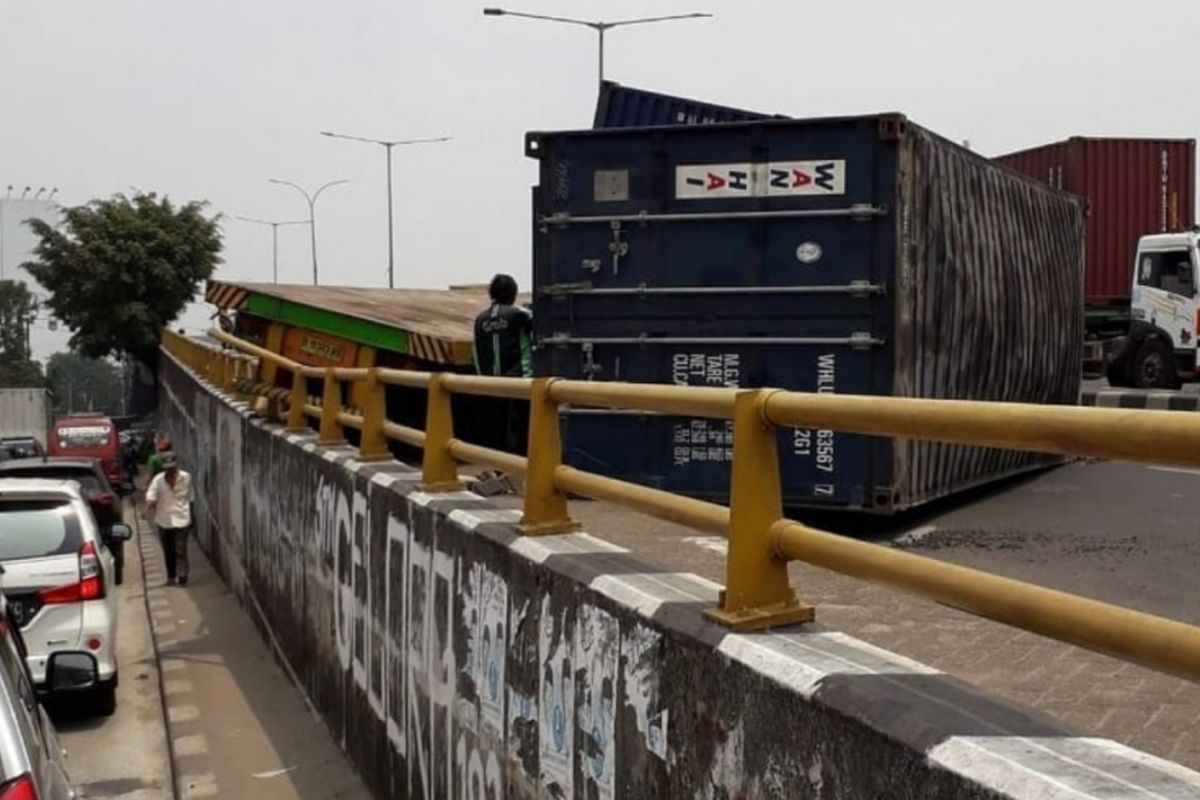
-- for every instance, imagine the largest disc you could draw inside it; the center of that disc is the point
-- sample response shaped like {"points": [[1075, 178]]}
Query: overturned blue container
{"points": [[620, 106], [854, 256]]}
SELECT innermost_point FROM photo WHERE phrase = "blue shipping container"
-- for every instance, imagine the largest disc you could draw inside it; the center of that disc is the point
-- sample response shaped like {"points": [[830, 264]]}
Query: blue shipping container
{"points": [[626, 107], [851, 256]]}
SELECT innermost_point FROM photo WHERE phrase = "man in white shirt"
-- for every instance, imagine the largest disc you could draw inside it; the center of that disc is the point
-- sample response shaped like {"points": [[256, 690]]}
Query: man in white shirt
{"points": [[169, 501]]}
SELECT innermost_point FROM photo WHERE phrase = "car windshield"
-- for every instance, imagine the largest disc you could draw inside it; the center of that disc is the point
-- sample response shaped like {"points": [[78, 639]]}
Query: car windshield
{"points": [[38, 528], [83, 436], [86, 479]]}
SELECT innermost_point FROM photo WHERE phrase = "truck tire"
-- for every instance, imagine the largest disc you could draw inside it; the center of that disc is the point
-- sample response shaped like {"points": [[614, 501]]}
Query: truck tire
{"points": [[1154, 365]]}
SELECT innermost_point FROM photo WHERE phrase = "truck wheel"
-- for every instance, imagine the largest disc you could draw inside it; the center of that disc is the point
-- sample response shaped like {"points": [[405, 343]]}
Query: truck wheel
{"points": [[1154, 365]]}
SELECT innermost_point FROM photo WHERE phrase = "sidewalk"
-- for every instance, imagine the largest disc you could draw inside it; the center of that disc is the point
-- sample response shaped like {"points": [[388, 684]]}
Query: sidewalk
{"points": [[238, 726], [123, 756]]}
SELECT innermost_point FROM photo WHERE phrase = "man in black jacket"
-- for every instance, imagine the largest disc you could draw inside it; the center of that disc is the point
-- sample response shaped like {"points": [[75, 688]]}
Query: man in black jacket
{"points": [[504, 333], [503, 348]]}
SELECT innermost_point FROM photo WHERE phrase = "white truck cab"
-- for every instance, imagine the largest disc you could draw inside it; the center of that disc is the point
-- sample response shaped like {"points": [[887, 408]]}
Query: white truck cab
{"points": [[1161, 346]]}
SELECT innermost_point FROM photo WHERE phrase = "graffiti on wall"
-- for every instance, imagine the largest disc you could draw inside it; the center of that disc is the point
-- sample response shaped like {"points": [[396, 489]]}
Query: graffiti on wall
{"points": [[410, 640]]}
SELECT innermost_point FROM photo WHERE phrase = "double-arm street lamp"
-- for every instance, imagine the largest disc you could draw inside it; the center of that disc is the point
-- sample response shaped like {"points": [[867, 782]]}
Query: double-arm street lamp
{"points": [[387, 145], [274, 239], [311, 199], [597, 26]]}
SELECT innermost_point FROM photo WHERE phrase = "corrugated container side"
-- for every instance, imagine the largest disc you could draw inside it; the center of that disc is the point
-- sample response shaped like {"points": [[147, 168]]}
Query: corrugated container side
{"points": [[626, 107], [988, 302], [1133, 187]]}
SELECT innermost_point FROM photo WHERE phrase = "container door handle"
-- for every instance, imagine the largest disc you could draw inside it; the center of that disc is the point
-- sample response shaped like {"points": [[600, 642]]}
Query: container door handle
{"points": [[589, 368], [618, 246]]}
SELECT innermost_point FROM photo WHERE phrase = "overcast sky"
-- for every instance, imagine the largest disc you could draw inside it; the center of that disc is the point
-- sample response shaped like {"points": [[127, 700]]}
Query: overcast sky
{"points": [[207, 100]]}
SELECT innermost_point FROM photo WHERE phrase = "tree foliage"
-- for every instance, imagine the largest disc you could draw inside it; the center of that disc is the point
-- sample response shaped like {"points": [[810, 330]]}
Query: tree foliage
{"points": [[79, 383], [18, 309], [120, 270]]}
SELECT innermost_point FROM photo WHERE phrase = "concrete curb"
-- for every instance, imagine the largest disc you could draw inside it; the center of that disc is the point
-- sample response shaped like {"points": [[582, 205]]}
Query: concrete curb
{"points": [[1159, 401]]}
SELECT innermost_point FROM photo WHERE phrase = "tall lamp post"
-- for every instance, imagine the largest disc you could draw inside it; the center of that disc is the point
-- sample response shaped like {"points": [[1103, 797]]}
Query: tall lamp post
{"points": [[312, 203], [387, 146], [597, 26], [274, 239]]}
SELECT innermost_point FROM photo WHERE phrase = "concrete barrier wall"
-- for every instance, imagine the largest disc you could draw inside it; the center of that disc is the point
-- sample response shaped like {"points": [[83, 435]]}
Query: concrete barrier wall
{"points": [[451, 658]]}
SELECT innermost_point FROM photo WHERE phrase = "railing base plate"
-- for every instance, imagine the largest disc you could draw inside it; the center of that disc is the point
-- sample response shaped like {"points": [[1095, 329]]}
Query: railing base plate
{"points": [[331, 442], [792, 612], [550, 528], [442, 487], [372, 458]]}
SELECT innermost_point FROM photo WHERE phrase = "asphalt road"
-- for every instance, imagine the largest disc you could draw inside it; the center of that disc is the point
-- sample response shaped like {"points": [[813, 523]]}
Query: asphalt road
{"points": [[1125, 533]]}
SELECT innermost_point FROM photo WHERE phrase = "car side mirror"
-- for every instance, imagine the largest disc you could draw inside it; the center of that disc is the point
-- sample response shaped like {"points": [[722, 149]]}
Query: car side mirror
{"points": [[71, 672], [120, 532]]}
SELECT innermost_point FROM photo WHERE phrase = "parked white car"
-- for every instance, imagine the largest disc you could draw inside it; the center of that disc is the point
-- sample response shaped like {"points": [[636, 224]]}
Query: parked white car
{"points": [[57, 581]]}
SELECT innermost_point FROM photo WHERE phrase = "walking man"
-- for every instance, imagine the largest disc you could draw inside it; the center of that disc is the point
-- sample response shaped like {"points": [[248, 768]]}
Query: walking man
{"points": [[169, 505]]}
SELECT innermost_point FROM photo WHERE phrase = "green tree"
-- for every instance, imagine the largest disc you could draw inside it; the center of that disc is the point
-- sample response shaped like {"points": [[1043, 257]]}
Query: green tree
{"points": [[120, 270], [79, 383], [18, 310]]}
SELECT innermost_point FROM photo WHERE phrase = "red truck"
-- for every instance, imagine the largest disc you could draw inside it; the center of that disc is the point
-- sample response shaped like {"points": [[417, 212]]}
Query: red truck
{"points": [[89, 437], [1134, 188]]}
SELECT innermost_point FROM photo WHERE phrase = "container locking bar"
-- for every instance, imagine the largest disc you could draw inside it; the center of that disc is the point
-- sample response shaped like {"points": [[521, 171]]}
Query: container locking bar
{"points": [[858, 211], [859, 340], [854, 288]]}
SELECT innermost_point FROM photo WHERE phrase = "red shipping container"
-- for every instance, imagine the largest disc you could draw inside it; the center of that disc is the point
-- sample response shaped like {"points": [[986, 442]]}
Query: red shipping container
{"points": [[1132, 186]]}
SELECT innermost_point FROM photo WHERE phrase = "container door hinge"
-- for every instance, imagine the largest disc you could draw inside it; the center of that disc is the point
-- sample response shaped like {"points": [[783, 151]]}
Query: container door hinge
{"points": [[618, 247], [591, 265]]}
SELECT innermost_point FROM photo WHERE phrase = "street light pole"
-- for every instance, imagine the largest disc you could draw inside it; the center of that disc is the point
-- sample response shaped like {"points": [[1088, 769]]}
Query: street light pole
{"points": [[312, 213], [387, 145], [391, 232], [274, 239], [597, 26]]}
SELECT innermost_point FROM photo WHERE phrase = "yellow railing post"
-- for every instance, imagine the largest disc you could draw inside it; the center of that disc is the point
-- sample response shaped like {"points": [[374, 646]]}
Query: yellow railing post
{"points": [[297, 419], [236, 368], [757, 592], [438, 468], [226, 370], [373, 444], [545, 506], [330, 432]]}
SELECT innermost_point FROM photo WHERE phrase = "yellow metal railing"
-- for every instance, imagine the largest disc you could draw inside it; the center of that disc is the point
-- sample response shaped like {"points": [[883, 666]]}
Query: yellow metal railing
{"points": [[762, 541]]}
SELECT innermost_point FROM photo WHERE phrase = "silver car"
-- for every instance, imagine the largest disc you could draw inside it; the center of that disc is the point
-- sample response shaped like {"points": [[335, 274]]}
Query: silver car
{"points": [[32, 762], [58, 583]]}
